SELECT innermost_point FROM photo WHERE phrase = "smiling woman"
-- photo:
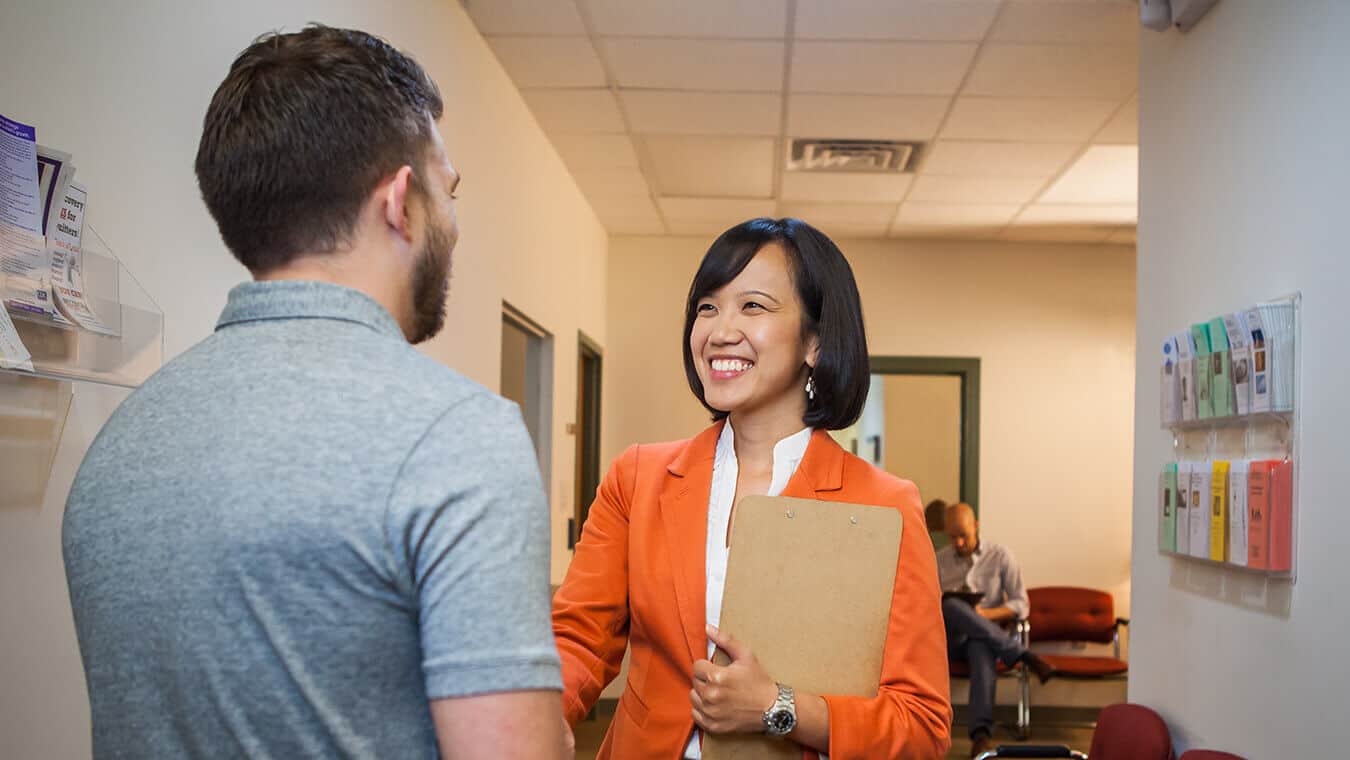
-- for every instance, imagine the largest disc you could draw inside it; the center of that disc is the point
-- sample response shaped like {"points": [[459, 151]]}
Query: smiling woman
{"points": [[765, 283], [774, 347]]}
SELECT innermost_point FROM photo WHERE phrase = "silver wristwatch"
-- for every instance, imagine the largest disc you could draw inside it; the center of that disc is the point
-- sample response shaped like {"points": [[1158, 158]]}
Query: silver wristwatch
{"points": [[781, 717]]}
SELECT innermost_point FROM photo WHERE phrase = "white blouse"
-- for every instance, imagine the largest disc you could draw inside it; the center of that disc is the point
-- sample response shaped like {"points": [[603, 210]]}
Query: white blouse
{"points": [[787, 455]]}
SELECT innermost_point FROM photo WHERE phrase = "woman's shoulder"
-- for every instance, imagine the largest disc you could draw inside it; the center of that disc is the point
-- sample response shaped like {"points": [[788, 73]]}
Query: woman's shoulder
{"points": [[885, 489]]}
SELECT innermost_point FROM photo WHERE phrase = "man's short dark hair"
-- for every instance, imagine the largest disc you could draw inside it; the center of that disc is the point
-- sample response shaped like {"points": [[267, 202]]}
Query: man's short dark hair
{"points": [[303, 128], [831, 309]]}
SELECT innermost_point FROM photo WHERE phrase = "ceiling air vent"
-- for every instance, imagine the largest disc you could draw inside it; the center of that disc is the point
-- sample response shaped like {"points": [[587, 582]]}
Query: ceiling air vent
{"points": [[871, 156]]}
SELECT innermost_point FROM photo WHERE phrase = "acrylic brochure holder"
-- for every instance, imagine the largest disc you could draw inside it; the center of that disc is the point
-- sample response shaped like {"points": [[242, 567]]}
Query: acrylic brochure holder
{"points": [[125, 346], [1229, 498]]}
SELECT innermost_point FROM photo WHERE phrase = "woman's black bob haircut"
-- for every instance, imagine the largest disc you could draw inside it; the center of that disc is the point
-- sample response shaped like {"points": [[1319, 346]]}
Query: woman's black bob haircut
{"points": [[831, 309]]}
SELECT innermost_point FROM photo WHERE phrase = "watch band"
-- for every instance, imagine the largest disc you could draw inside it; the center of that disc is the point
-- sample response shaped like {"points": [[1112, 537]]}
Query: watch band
{"points": [[781, 717]]}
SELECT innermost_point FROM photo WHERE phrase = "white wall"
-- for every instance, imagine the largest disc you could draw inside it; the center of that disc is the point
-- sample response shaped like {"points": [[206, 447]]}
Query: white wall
{"points": [[1053, 326], [1242, 187], [124, 87]]}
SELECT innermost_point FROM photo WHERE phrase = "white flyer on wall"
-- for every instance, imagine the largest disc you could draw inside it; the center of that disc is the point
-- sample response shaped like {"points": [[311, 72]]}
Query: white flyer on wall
{"points": [[24, 264], [67, 257], [13, 353], [1239, 338], [23, 249], [19, 202], [54, 175], [1171, 383], [1186, 374], [1260, 376]]}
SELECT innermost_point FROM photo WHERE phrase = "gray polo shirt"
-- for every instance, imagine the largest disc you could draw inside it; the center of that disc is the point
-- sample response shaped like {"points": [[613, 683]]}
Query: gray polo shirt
{"points": [[299, 531]]}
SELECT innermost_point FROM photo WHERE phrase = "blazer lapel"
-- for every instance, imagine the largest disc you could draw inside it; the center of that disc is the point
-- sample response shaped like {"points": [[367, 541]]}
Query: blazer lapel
{"points": [[821, 469], [684, 512]]}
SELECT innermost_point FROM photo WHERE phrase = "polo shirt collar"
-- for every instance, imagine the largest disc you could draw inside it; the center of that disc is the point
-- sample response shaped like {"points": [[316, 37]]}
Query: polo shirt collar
{"points": [[305, 299]]}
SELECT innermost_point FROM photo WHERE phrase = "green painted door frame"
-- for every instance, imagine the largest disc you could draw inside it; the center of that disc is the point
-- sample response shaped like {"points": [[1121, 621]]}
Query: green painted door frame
{"points": [[968, 369]]}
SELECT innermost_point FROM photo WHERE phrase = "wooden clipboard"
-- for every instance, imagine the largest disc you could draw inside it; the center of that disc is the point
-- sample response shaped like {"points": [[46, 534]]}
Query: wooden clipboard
{"points": [[809, 587]]}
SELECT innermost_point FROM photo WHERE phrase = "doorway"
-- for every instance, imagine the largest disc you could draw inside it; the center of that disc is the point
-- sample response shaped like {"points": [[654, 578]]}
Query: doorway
{"points": [[922, 423], [527, 378], [590, 368]]}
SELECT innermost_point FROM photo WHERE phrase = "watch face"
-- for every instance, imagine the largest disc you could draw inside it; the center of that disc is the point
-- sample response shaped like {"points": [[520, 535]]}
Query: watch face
{"points": [[782, 721]]}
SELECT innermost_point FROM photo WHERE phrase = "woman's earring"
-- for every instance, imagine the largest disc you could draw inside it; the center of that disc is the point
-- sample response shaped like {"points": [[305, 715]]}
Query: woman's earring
{"points": [[810, 388]]}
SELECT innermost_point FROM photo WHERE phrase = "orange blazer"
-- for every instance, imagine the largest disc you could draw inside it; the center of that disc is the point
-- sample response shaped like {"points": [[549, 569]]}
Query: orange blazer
{"points": [[638, 578]]}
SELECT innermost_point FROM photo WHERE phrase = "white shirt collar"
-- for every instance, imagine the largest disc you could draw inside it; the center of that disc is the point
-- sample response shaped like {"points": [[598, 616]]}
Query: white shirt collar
{"points": [[787, 454]]}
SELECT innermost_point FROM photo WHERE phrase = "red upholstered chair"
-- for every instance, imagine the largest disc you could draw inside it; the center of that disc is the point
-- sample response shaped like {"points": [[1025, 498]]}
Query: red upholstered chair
{"points": [[1130, 732], [1208, 754], [961, 669], [1067, 613], [1124, 732]]}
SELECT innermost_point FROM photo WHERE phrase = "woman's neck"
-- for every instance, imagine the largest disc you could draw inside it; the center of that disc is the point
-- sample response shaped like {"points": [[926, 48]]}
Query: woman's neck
{"points": [[756, 434]]}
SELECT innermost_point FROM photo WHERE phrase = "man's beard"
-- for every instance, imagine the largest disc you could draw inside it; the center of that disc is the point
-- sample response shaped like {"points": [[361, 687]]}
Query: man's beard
{"points": [[431, 284]]}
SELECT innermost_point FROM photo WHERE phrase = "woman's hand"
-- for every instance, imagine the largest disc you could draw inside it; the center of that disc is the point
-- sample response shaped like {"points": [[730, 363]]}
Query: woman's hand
{"points": [[731, 699]]}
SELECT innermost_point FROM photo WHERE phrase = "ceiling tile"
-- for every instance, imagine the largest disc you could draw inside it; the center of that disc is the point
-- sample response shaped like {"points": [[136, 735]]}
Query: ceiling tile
{"points": [[1105, 174], [1123, 128], [1072, 23], [1026, 119], [1064, 71], [911, 20], [621, 199], [970, 221], [914, 214], [581, 152], [1047, 214], [525, 17], [549, 61], [748, 66], [742, 19], [845, 186], [883, 68], [843, 219], [575, 111], [997, 159], [727, 167], [1056, 233], [710, 216], [618, 185], [702, 113], [864, 117], [983, 190]]}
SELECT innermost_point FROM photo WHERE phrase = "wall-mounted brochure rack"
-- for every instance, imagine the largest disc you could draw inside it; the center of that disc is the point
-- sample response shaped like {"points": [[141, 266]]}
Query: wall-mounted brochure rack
{"points": [[109, 332], [1229, 399]]}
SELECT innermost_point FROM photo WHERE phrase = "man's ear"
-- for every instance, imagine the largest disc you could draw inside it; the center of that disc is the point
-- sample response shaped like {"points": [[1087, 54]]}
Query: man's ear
{"points": [[395, 196]]}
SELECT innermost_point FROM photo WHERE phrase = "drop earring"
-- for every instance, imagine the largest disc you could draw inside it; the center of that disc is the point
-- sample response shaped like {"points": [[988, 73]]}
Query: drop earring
{"points": [[810, 388]]}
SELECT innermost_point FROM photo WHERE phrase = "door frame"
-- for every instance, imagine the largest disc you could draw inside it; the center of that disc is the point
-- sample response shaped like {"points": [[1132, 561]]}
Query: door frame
{"points": [[587, 432], [968, 369]]}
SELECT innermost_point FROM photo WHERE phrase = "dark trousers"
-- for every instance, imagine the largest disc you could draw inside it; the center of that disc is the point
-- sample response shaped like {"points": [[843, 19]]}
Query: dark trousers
{"points": [[981, 643]]}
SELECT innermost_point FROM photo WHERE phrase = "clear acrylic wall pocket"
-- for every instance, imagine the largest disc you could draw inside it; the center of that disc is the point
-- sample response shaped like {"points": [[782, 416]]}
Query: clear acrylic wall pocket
{"points": [[102, 328], [1228, 402]]}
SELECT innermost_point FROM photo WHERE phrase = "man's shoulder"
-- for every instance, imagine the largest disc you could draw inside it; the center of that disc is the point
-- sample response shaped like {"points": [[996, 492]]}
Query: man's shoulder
{"points": [[995, 551]]}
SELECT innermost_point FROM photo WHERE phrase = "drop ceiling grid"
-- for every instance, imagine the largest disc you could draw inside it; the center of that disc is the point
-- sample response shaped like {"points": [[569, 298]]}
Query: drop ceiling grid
{"points": [[1045, 95]]}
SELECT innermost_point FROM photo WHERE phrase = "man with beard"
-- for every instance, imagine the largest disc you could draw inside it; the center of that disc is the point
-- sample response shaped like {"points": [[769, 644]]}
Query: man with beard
{"points": [[303, 538]]}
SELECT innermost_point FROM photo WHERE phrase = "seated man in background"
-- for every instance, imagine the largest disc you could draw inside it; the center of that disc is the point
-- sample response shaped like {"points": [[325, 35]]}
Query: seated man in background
{"points": [[976, 633]]}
